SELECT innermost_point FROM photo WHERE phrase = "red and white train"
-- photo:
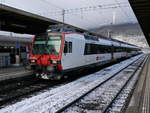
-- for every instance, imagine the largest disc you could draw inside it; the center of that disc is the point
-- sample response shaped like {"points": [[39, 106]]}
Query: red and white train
{"points": [[56, 53]]}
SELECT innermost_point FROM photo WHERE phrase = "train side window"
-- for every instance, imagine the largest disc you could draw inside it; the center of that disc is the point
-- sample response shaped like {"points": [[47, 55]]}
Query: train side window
{"points": [[68, 47], [97, 49], [87, 49]]}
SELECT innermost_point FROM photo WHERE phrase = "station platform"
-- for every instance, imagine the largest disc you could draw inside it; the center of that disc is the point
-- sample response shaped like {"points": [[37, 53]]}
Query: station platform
{"points": [[140, 100], [14, 72]]}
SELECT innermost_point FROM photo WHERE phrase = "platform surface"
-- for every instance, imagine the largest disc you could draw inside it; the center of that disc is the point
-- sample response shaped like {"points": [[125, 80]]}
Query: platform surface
{"points": [[14, 72], [140, 100]]}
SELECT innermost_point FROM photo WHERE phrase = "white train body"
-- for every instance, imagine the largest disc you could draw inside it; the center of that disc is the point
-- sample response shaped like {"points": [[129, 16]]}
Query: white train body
{"points": [[78, 51], [77, 58]]}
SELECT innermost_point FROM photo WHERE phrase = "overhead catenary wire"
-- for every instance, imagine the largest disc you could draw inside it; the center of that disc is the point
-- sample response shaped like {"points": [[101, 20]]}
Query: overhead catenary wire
{"points": [[91, 8], [83, 10], [52, 4], [126, 15], [82, 14], [62, 13]]}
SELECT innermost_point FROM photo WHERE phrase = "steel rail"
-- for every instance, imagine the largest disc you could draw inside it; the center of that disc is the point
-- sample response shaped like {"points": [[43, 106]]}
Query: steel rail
{"points": [[102, 83]]}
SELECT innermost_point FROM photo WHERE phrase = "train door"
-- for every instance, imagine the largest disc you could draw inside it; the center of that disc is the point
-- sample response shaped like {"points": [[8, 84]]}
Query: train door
{"points": [[73, 51], [67, 57]]}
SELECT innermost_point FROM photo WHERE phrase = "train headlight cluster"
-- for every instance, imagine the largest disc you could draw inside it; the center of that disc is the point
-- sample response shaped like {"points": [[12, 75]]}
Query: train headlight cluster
{"points": [[32, 60], [54, 62]]}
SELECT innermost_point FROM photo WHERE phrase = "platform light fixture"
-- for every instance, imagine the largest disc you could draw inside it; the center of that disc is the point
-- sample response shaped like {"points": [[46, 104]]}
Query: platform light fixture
{"points": [[18, 25]]}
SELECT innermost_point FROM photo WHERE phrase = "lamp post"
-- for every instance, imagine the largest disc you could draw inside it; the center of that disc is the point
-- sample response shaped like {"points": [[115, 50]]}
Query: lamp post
{"points": [[63, 16]]}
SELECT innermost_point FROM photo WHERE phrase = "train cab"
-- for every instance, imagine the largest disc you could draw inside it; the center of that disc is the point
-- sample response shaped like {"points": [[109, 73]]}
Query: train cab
{"points": [[46, 54]]}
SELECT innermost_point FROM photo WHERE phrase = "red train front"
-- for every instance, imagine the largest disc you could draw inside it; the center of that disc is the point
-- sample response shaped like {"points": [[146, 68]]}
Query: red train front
{"points": [[46, 53]]}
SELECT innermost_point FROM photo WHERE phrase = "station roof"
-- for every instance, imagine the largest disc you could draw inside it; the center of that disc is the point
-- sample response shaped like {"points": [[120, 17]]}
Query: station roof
{"points": [[141, 9], [19, 21]]}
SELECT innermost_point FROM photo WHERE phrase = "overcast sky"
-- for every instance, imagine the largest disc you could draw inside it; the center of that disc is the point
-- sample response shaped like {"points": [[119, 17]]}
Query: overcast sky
{"points": [[87, 14]]}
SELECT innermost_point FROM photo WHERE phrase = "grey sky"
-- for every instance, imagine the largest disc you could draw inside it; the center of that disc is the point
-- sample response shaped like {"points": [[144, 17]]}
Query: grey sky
{"points": [[106, 11]]}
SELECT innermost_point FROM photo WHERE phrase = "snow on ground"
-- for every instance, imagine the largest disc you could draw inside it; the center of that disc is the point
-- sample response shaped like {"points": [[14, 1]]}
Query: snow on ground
{"points": [[122, 99], [52, 100], [98, 100]]}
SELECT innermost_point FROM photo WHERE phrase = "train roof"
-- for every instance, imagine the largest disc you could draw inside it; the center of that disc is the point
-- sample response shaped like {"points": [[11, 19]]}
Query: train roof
{"points": [[113, 41], [88, 34]]}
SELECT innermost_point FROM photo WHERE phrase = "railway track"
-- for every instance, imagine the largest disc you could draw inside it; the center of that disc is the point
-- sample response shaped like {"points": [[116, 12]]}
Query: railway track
{"points": [[14, 90], [67, 97], [19, 89], [110, 90], [121, 102]]}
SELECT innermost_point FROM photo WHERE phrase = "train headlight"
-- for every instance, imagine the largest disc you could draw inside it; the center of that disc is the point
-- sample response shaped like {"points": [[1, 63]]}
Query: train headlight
{"points": [[33, 61], [54, 62]]}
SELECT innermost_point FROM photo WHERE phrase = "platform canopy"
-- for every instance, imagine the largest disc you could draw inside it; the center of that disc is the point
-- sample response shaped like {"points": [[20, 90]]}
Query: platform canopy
{"points": [[19, 21], [141, 9]]}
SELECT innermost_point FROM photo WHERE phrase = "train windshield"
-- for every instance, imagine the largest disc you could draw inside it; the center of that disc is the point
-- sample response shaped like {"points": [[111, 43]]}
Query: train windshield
{"points": [[51, 45]]}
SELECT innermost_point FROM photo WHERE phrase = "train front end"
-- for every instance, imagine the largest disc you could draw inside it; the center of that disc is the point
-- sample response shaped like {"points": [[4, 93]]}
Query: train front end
{"points": [[45, 57]]}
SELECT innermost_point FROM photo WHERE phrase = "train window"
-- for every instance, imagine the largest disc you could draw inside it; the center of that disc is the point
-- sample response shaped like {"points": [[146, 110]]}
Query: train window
{"points": [[68, 47], [54, 44], [107, 49], [88, 37], [121, 49], [96, 49], [87, 49], [47, 45], [65, 48]]}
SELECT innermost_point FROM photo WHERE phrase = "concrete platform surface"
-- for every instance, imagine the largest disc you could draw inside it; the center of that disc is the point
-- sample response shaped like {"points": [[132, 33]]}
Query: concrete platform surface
{"points": [[140, 100], [14, 72]]}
